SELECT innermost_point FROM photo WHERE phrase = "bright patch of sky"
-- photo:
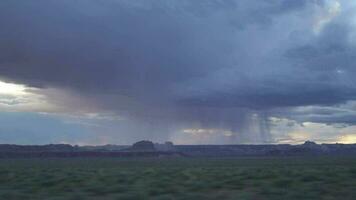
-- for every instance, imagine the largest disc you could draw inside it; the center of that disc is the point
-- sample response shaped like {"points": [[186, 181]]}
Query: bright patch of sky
{"points": [[18, 97], [326, 14]]}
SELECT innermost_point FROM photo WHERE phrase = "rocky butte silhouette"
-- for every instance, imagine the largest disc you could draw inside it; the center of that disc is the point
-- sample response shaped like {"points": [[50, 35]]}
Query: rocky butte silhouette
{"points": [[143, 145]]}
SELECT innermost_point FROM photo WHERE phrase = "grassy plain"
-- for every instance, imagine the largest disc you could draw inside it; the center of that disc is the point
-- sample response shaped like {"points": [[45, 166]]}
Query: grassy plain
{"points": [[179, 178]]}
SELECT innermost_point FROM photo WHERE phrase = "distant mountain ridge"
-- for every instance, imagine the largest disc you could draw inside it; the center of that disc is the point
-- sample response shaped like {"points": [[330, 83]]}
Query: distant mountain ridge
{"points": [[148, 148]]}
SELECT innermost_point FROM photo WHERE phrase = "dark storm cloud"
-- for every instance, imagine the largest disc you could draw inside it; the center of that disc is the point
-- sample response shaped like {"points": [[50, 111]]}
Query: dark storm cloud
{"points": [[119, 46], [336, 115], [331, 51], [210, 62]]}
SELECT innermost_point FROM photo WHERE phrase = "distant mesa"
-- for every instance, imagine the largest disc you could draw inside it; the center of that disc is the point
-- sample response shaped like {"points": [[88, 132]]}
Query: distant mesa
{"points": [[143, 145], [146, 145], [309, 143]]}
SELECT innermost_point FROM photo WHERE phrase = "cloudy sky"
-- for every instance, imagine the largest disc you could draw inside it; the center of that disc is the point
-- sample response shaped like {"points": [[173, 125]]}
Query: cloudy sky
{"points": [[191, 72]]}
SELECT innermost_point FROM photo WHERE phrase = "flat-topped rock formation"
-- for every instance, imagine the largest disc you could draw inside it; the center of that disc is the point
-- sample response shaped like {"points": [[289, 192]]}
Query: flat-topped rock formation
{"points": [[143, 145]]}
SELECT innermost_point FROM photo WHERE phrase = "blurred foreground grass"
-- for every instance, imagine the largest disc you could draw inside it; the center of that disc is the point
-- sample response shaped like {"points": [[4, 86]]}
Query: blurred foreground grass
{"points": [[180, 178]]}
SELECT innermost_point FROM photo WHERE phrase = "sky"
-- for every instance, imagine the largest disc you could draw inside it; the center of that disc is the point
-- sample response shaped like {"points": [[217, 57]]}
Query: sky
{"points": [[93, 72]]}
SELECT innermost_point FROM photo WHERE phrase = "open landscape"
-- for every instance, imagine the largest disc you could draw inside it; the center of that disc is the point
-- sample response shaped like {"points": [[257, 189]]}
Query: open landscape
{"points": [[252, 178], [178, 100]]}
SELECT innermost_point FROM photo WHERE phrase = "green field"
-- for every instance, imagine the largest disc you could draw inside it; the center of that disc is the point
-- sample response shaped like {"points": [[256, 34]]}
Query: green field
{"points": [[181, 178]]}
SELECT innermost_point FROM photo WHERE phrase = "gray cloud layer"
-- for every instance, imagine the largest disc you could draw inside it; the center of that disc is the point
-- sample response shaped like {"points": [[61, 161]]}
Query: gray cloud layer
{"points": [[211, 63]]}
